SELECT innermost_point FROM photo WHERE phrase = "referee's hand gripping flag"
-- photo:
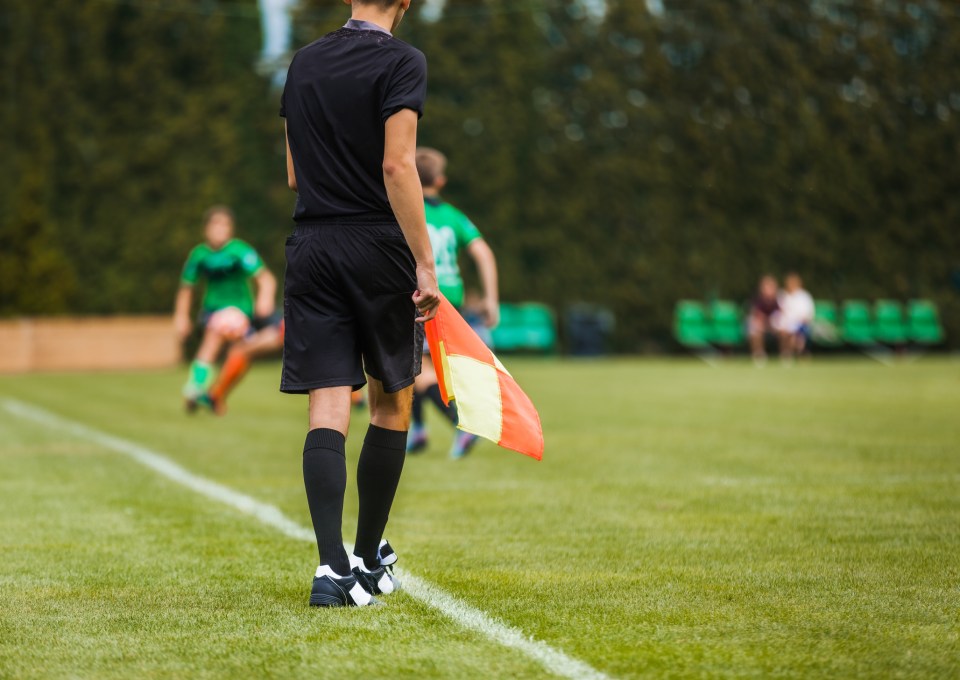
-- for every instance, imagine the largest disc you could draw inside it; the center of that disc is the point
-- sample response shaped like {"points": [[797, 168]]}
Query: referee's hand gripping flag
{"points": [[489, 401], [427, 295]]}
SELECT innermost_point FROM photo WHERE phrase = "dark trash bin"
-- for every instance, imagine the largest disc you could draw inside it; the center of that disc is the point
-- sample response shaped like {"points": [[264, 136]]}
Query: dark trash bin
{"points": [[589, 329]]}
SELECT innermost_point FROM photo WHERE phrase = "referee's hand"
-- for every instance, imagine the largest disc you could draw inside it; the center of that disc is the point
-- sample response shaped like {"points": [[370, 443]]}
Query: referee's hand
{"points": [[427, 295]]}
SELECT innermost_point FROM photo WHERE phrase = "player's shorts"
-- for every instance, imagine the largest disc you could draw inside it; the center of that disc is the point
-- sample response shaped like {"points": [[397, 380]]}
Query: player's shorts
{"points": [[260, 322], [348, 308], [203, 320]]}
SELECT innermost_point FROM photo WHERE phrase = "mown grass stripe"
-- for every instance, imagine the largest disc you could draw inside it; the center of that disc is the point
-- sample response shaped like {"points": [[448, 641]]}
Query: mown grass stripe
{"points": [[465, 615]]}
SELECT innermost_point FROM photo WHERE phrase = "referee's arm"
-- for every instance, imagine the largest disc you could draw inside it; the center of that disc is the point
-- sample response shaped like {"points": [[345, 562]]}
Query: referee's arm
{"points": [[291, 176], [406, 199]]}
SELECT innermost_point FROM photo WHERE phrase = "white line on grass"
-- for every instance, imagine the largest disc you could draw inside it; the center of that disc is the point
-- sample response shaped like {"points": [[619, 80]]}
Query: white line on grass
{"points": [[459, 611]]}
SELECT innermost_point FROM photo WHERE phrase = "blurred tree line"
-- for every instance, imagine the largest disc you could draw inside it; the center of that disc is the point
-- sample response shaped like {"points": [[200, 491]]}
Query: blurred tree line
{"points": [[122, 121], [657, 150]]}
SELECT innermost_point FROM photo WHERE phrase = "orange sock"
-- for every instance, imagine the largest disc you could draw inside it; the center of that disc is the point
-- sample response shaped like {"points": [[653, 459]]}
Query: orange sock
{"points": [[234, 368]]}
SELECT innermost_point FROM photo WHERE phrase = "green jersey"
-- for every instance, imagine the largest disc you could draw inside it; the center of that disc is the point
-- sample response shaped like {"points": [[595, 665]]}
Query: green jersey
{"points": [[227, 274], [450, 232]]}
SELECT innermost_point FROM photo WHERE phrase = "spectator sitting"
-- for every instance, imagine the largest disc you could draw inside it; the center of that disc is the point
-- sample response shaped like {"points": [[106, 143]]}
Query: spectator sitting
{"points": [[763, 307], [795, 318]]}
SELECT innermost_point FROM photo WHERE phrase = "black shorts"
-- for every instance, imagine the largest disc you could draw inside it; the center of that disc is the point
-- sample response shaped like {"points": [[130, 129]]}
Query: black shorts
{"points": [[348, 307]]}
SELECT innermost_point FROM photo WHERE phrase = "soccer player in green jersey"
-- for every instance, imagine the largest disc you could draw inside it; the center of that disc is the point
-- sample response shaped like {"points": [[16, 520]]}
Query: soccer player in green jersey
{"points": [[451, 233], [225, 265]]}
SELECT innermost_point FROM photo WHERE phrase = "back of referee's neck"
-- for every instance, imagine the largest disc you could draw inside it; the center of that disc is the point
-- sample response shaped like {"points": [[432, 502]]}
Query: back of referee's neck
{"points": [[374, 13]]}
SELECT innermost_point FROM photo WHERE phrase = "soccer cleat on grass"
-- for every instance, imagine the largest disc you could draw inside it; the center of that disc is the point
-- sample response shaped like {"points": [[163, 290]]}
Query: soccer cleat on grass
{"points": [[381, 580], [218, 406], [376, 582], [332, 590], [462, 444], [387, 556], [416, 439]]}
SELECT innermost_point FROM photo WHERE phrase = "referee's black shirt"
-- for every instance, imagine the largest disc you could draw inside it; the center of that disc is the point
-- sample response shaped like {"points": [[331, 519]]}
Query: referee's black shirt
{"points": [[340, 91]]}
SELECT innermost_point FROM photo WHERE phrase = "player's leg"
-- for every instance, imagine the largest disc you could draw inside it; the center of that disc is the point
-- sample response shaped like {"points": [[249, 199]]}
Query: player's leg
{"points": [[463, 442], [800, 339], [391, 343], [325, 481], [756, 331], [239, 358], [787, 344], [417, 436], [202, 368], [427, 388], [378, 475], [325, 471], [430, 386], [234, 368], [322, 358], [416, 413]]}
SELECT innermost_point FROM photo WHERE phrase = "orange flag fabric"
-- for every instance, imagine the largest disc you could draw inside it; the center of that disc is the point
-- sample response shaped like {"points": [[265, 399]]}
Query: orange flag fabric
{"points": [[489, 401]]}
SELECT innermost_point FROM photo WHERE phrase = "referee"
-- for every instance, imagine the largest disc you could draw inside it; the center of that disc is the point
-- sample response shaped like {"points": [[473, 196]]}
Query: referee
{"points": [[360, 277]]}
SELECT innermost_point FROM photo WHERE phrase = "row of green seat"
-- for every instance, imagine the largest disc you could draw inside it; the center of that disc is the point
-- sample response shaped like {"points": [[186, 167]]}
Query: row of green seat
{"points": [[700, 326], [722, 324], [887, 323], [528, 326]]}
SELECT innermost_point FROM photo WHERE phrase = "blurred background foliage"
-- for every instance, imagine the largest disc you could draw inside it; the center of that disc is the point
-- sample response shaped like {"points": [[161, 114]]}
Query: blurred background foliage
{"points": [[654, 151]]}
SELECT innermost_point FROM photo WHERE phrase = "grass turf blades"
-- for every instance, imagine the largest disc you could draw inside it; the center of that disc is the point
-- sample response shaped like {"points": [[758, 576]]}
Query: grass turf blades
{"points": [[685, 521]]}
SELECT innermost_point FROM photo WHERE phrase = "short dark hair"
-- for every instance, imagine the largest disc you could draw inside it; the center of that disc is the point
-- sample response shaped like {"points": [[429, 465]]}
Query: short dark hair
{"points": [[214, 210], [431, 165]]}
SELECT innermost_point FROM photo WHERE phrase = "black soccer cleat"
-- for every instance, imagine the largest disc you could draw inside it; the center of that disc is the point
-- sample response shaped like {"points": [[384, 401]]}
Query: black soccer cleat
{"points": [[332, 590], [381, 580], [376, 582], [387, 556]]}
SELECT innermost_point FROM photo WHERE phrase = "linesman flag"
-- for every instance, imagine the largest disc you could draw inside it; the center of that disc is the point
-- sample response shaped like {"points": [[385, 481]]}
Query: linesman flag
{"points": [[489, 401]]}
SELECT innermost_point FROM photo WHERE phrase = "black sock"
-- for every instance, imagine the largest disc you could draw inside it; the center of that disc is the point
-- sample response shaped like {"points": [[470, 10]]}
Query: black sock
{"points": [[416, 412], [325, 479], [449, 410], [378, 474]]}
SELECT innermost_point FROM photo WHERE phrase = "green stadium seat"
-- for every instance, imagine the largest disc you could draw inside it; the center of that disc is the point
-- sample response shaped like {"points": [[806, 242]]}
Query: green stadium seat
{"points": [[525, 327], [856, 326], [889, 327], [825, 331], [690, 325], [507, 336], [726, 325], [923, 323], [540, 327]]}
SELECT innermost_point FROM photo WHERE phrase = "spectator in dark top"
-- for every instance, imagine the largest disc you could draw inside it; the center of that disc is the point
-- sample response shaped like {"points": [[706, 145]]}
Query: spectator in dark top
{"points": [[763, 310], [360, 280]]}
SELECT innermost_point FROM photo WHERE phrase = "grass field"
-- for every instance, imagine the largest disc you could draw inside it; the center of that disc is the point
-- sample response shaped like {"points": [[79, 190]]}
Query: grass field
{"points": [[686, 521]]}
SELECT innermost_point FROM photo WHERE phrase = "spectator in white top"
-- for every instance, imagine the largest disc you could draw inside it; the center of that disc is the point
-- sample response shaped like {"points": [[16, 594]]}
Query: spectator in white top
{"points": [[794, 318]]}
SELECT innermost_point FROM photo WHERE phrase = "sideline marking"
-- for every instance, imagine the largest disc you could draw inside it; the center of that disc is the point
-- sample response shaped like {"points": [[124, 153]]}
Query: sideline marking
{"points": [[465, 615]]}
